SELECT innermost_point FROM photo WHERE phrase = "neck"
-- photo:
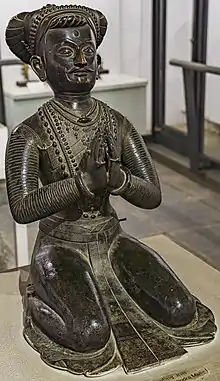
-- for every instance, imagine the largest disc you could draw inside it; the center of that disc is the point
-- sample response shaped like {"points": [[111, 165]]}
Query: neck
{"points": [[76, 102]]}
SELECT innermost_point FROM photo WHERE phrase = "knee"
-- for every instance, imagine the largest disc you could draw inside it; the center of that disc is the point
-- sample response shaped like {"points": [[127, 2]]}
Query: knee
{"points": [[94, 336], [182, 312], [90, 335]]}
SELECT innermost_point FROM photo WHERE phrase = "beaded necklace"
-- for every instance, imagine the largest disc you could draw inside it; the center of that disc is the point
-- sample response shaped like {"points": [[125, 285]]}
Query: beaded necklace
{"points": [[73, 135]]}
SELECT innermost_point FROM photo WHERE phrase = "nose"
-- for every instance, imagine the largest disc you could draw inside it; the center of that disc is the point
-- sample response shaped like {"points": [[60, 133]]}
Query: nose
{"points": [[80, 60]]}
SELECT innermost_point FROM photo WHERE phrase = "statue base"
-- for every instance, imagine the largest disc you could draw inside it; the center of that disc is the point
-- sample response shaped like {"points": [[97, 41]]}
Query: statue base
{"points": [[199, 363]]}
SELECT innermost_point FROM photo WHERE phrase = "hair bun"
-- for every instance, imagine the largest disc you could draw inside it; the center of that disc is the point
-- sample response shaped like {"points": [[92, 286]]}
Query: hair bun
{"points": [[15, 37]]}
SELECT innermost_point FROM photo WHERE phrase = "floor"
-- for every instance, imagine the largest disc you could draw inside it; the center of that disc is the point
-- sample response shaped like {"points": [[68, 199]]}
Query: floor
{"points": [[189, 215], [211, 145]]}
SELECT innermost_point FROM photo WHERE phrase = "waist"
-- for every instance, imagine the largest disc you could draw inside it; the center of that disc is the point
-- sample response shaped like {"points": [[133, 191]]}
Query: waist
{"points": [[85, 229], [86, 209]]}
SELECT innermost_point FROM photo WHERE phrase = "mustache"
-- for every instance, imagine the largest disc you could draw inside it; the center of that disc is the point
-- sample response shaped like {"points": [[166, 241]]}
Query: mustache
{"points": [[82, 70]]}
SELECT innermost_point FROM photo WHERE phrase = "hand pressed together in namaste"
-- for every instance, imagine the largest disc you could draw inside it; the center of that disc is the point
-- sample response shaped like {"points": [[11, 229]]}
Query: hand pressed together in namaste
{"points": [[101, 167]]}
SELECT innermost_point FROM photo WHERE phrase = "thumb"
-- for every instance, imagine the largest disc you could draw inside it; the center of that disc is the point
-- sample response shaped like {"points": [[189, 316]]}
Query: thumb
{"points": [[83, 162]]}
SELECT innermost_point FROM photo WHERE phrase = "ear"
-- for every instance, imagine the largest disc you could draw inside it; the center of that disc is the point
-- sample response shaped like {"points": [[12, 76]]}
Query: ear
{"points": [[99, 60], [38, 67]]}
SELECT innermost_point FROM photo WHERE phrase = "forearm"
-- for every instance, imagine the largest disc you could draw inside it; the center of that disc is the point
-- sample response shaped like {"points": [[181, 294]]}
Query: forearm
{"points": [[142, 193], [143, 187], [139, 192], [43, 202]]}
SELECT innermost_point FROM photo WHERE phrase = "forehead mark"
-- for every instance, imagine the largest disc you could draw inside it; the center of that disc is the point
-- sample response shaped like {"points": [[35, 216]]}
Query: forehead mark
{"points": [[82, 33], [76, 33]]}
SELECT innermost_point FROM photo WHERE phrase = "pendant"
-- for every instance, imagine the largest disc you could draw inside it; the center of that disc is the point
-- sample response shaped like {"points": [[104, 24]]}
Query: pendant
{"points": [[84, 119]]}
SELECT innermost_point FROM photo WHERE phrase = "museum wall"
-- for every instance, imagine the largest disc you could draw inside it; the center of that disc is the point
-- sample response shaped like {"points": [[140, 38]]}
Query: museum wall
{"points": [[136, 51], [179, 35], [135, 24], [213, 58], [136, 48]]}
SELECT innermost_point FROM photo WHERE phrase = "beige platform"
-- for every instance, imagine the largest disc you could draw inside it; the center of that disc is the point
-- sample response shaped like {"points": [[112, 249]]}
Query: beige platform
{"points": [[18, 362]]}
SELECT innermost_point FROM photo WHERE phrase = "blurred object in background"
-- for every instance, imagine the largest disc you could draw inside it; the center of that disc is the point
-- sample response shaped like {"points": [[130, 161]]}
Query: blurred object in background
{"points": [[26, 73], [101, 70]]}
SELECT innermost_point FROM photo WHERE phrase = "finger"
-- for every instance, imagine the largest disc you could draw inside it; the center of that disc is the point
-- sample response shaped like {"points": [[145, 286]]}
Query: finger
{"points": [[112, 147], [109, 145], [102, 155], [83, 162], [102, 159], [99, 150], [94, 144], [93, 152]]}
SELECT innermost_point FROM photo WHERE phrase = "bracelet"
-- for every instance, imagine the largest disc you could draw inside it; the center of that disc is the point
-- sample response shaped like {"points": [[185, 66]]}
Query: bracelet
{"points": [[82, 186], [126, 183]]}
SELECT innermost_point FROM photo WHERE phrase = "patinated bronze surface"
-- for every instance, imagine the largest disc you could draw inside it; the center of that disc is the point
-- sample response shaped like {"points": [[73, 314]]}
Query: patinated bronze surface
{"points": [[98, 299]]}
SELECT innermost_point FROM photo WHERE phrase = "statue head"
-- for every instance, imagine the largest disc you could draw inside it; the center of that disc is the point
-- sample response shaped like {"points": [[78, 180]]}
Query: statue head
{"points": [[60, 44]]}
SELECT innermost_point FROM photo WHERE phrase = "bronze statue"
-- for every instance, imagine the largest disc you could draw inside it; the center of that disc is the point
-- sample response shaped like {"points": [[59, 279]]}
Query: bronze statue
{"points": [[97, 299]]}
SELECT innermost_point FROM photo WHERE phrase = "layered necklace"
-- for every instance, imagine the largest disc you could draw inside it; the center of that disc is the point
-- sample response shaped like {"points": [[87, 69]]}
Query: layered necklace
{"points": [[73, 134], [81, 126]]}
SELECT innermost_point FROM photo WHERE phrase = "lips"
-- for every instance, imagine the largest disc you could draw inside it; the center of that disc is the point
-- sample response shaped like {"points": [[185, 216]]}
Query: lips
{"points": [[77, 74], [80, 77], [81, 73]]}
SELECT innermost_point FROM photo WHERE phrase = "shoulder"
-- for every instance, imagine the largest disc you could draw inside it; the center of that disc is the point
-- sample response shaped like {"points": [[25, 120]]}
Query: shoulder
{"points": [[28, 129]]}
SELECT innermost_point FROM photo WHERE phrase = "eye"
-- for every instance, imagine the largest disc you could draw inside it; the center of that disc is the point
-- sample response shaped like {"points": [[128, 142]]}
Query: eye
{"points": [[65, 51], [88, 50]]}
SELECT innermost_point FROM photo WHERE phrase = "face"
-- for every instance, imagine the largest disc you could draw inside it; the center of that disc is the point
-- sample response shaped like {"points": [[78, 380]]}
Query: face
{"points": [[69, 59]]}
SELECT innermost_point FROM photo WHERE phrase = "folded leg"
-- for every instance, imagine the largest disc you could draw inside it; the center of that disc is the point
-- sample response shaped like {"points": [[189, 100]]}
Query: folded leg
{"points": [[158, 291], [66, 304]]}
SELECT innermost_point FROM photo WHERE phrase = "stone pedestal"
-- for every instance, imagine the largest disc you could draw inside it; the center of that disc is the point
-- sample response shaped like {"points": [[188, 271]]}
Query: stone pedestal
{"points": [[19, 362]]}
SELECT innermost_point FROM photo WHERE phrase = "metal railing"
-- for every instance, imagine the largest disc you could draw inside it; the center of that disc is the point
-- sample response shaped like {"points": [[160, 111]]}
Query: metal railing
{"points": [[195, 114]]}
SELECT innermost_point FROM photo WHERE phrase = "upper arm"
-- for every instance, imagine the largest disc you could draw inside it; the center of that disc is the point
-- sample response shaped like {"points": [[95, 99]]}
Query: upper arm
{"points": [[135, 155], [22, 163], [28, 202]]}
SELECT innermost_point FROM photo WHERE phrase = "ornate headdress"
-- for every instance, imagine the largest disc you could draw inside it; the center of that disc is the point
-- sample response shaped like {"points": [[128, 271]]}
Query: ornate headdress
{"points": [[26, 29]]}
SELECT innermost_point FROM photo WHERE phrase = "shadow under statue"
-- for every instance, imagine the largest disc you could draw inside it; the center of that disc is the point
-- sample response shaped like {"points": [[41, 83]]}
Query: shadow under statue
{"points": [[97, 299]]}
